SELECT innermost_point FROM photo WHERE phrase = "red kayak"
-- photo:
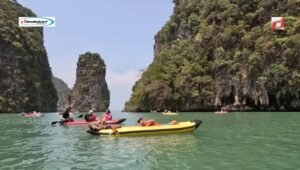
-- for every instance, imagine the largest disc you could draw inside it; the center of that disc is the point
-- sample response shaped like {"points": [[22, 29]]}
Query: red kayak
{"points": [[84, 122]]}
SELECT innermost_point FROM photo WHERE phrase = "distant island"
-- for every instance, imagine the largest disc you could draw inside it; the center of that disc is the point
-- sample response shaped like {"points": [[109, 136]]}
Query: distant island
{"points": [[63, 93]]}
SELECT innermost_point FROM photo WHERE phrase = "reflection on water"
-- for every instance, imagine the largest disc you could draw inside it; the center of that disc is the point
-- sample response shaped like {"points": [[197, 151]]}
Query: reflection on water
{"points": [[232, 141], [160, 151]]}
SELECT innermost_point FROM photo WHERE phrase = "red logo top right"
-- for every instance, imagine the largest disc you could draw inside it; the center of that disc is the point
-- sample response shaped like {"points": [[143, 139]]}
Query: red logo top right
{"points": [[277, 23]]}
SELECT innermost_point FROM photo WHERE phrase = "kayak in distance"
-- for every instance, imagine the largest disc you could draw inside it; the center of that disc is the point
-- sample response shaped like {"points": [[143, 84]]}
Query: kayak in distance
{"points": [[221, 112], [32, 114], [169, 113], [85, 123], [180, 127]]}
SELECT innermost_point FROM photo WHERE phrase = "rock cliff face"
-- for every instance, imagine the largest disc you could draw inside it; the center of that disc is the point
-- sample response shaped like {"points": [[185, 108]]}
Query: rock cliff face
{"points": [[223, 52], [90, 90], [24, 69], [63, 93]]}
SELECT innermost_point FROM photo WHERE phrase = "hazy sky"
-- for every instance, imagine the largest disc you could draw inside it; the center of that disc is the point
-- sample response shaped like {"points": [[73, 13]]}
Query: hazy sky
{"points": [[121, 31]]}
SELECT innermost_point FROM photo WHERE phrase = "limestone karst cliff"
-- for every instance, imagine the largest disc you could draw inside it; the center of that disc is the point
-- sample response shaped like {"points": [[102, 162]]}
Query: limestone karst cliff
{"points": [[25, 74], [90, 90], [223, 52]]}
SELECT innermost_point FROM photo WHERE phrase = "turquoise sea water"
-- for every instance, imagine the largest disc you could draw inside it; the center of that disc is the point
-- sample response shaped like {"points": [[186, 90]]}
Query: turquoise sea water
{"points": [[235, 141]]}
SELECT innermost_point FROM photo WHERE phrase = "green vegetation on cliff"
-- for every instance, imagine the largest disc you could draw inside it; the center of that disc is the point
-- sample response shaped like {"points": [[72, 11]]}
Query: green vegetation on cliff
{"points": [[224, 52], [90, 90], [24, 69]]}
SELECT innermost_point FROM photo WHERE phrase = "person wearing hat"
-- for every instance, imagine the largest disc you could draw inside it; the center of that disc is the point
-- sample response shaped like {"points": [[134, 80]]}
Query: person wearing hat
{"points": [[106, 116], [66, 116], [90, 116]]}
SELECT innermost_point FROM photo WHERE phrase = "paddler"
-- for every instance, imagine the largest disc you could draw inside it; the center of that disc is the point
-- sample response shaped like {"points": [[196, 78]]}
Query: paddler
{"points": [[91, 116], [107, 116], [66, 115]]}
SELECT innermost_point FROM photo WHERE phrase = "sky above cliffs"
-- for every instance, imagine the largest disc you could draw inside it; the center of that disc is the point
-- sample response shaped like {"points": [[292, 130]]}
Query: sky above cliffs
{"points": [[122, 32]]}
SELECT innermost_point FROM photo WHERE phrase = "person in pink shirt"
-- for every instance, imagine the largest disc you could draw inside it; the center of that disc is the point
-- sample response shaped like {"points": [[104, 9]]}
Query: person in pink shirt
{"points": [[106, 116]]}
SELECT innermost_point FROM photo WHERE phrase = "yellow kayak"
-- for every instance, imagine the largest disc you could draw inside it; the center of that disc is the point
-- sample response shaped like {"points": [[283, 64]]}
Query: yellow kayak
{"points": [[181, 127], [169, 113]]}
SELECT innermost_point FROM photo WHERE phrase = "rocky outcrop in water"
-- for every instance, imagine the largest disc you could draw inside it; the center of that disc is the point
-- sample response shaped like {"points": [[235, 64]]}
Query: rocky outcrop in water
{"points": [[63, 93], [24, 69], [223, 52], [90, 90]]}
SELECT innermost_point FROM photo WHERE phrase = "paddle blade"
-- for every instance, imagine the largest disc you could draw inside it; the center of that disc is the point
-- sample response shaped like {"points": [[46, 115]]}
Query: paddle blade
{"points": [[93, 132], [53, 123], [80, 116]]}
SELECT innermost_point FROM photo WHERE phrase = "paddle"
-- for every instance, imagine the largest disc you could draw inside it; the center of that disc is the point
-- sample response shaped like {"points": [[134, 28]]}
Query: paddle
{"points": [[53, 123]]}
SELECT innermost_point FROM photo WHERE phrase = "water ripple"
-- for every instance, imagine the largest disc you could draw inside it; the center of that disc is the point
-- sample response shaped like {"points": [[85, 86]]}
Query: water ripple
{"points": [[234, 141]]}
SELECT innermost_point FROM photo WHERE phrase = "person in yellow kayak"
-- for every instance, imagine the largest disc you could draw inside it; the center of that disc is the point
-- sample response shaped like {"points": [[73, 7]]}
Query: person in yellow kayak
{"points": [[101, 126], [152, 122], [168, 112], [107, 116]]}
